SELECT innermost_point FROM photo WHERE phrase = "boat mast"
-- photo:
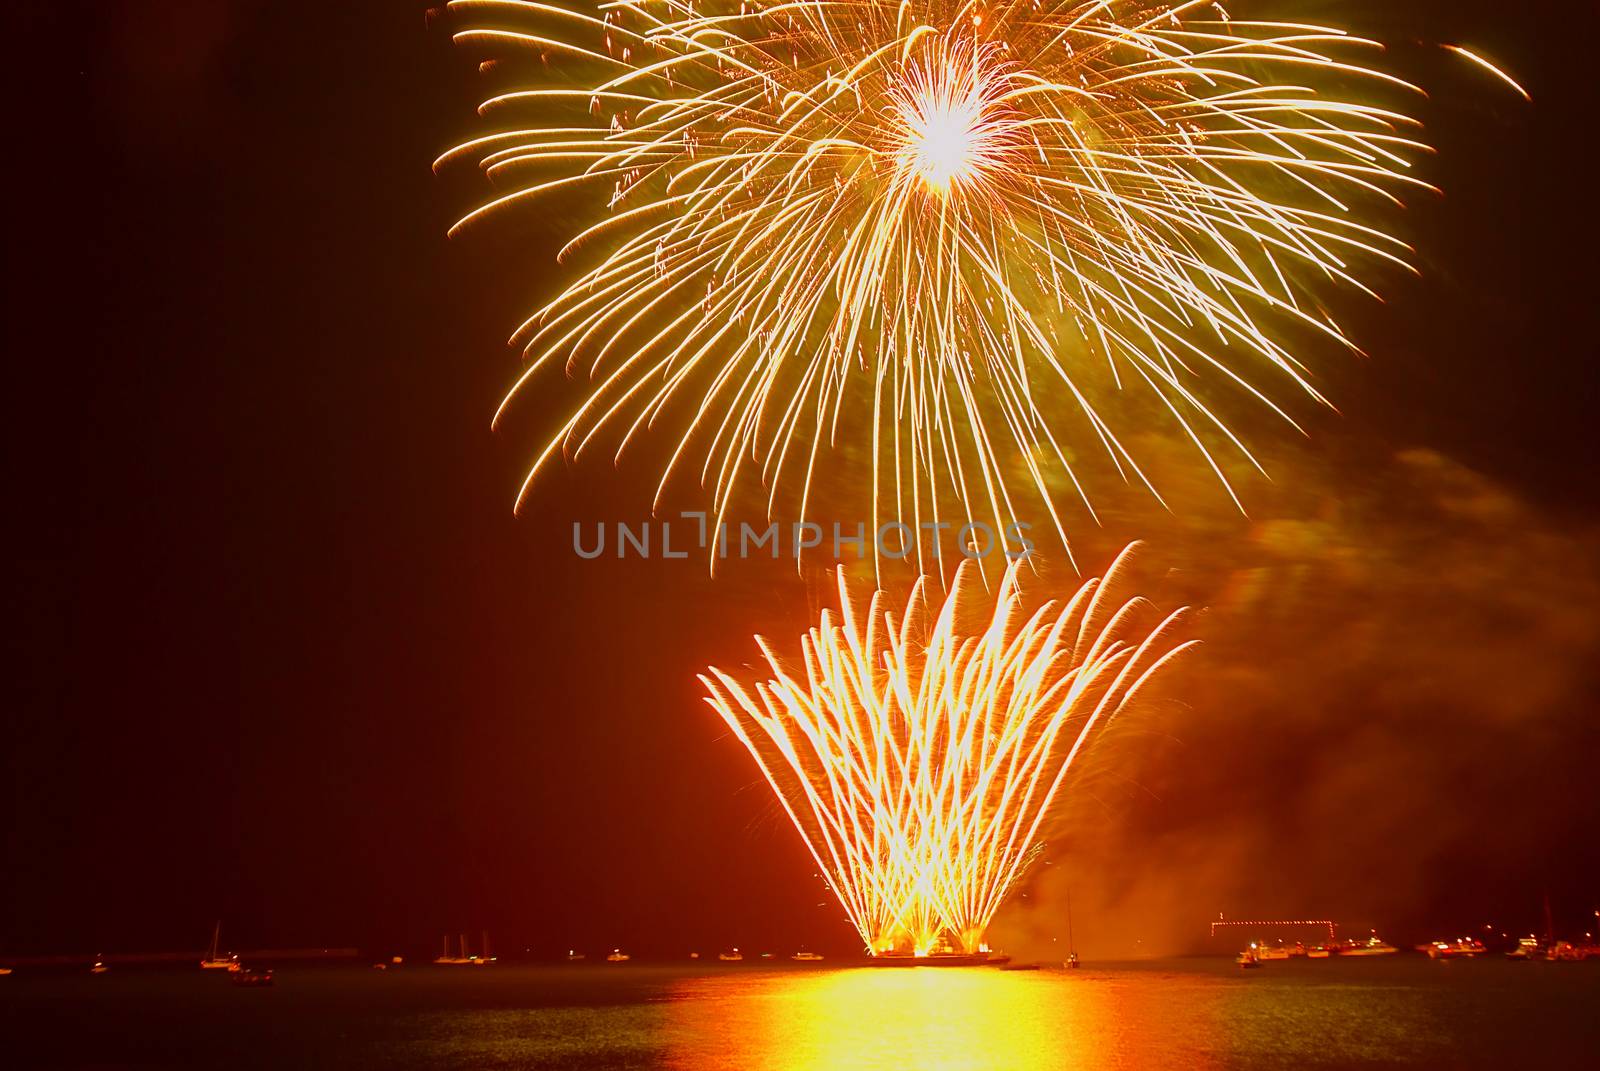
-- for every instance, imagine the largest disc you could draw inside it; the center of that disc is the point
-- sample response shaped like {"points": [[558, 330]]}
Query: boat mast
{"points": [[216, 935]]}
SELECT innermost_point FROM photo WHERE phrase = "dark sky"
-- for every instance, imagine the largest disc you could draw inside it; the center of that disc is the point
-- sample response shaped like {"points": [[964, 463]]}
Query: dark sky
{"points": [[285, 656]]}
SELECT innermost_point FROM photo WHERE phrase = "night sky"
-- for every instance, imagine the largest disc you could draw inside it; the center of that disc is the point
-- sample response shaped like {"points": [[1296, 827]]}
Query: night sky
{"points": [[284, 655]]}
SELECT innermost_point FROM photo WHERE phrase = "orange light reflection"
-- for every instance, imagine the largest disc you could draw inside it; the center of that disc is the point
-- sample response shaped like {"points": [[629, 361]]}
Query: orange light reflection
{"points": [[886, 1019]]}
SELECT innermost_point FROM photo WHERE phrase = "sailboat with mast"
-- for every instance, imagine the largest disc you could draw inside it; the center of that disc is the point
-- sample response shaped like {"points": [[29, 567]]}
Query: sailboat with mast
{"points": [[463, 958], [1072, 944], [445, 959], [215, 960]]}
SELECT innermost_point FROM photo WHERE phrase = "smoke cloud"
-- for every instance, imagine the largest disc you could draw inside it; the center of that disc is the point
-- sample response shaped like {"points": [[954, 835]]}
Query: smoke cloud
{"points": [[1391, 724]]}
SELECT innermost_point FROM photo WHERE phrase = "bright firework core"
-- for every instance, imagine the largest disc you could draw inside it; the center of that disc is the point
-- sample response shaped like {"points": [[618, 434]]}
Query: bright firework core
{"points": [[947, 119], [942, 145], [942, 142]]}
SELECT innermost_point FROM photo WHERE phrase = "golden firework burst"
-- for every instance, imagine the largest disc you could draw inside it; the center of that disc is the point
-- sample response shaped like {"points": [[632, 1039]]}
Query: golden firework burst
{"points": [[957, 231], [919, 757]]}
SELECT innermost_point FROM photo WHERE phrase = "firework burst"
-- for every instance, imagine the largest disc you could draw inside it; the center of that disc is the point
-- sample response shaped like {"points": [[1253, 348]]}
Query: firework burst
{"points": [[966, 227], [919, 759]]}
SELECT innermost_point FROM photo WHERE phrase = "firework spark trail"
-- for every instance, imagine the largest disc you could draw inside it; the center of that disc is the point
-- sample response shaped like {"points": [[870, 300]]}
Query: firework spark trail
{"points": [[979, 219], [919, 759]]}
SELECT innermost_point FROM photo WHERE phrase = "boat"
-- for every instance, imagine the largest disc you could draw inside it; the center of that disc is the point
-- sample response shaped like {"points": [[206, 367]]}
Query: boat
{"points": [[463, 958], [252, 977], [1072, 943], [806, 957], [574, 956], [1372, 946], [1553, 950], [4, 971], [99, 967], [445, 959], [617, 955], [214, 960], [1565, 952], [1527, 948], [734, 956], [1274, 952], [1248, 960], [1461, 948], [1319, 952]]}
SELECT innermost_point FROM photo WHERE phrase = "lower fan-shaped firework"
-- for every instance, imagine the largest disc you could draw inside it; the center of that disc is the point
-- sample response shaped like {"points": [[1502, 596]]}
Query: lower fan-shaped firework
{"points": [[919, 759], [969, 225]]}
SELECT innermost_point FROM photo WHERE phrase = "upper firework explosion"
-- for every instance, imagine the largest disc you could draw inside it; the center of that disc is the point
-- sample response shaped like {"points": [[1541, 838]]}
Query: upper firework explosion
{"points": [[967, 225], [918, 757]]}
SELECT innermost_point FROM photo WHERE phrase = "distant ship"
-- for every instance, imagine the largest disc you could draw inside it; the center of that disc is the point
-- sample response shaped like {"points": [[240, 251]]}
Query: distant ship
{"points": [[1460, 948], [1071, 962], [618, 956], [1372, 946], [1248, 959], [574, 956], [1275, 952], [1319, 952], [251, 977], [806, 957], [1551, 949], [462, 958], [734, 956], [214, 960], [1527, 948], [1567, 952], [445, 959], [99, 967]]}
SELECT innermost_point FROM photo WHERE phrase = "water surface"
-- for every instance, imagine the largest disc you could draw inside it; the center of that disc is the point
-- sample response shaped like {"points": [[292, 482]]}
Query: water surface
{"points": [[1401, 1012]]}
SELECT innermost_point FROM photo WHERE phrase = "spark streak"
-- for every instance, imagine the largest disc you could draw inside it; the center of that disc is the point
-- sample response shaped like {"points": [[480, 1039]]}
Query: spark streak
{"points": [[1491, 68]]}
